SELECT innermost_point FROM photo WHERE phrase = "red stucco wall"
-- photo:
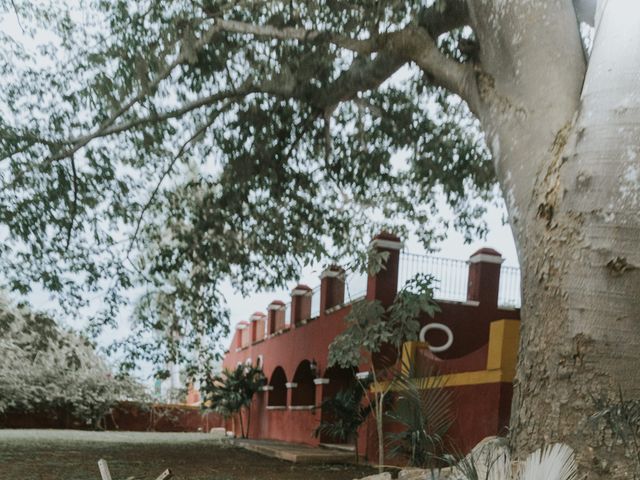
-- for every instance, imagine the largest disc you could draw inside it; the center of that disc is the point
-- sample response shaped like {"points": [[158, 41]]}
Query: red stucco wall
{"points": [[479, 410]]}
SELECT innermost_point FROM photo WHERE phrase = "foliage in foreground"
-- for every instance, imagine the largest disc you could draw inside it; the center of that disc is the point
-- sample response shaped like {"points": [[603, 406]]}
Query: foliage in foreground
{"points": [[373, 331], [552, 462], [231, 393], [153, 144], [46, 368], [423, 408]]}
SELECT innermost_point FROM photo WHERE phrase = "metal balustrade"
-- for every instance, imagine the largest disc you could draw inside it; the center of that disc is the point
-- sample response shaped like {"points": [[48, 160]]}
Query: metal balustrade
{"points": [[509, 292], [355, 286], [452, 276], [450, 282], [287, 314]]}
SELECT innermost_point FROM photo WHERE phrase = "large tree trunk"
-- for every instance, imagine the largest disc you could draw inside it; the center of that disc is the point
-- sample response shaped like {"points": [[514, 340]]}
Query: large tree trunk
{"points": [[568, 158]]}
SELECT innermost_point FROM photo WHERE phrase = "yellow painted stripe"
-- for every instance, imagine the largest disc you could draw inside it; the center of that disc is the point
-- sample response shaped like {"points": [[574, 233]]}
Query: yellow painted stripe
{"points": [[479, 377]]}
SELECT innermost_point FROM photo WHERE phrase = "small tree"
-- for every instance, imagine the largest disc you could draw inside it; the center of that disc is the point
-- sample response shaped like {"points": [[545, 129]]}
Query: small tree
{"points": [[232, 391], [373, 331]]}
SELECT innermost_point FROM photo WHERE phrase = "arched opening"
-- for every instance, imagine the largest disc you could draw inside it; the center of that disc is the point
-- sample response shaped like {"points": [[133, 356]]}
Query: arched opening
{"points": [[340, 380], [277, 388], [304, 394]]}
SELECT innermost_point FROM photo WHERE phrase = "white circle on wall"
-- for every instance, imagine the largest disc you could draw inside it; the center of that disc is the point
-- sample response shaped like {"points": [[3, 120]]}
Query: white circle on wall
{"points": [[437, 326]]}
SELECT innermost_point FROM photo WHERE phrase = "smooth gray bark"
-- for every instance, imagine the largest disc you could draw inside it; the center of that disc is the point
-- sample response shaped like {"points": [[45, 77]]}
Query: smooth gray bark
{"points": [[565, 136]]}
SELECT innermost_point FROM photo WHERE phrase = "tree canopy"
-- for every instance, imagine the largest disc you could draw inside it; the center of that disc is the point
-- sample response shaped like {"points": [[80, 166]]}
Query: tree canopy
{"points": [[171, 147]]}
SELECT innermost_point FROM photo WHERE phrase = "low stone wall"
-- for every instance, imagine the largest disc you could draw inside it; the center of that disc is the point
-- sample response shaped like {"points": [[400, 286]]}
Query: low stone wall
{"points": [[126, 416]]}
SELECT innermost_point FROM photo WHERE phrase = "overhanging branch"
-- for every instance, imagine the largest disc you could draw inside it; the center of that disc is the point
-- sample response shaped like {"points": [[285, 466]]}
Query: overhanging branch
{"points": [[280, 86], [364, 74], [443, 16], [379, 58], [181, 58], [458, 78], [301, 34]]}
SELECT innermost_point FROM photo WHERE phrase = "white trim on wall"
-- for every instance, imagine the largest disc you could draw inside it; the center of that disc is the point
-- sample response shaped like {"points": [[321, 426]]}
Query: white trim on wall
{"points": [[388, 244], [486, 258]]}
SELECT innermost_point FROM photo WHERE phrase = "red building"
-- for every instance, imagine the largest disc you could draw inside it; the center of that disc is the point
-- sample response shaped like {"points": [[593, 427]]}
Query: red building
{"points": [[474, 339]]}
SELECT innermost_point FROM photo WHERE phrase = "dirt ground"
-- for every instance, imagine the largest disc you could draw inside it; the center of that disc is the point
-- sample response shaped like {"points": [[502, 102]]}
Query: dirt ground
{"points": [[56, 455]]}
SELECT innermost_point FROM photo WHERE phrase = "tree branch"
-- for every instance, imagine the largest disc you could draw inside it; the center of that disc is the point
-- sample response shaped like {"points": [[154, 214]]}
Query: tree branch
{"points": [[443, 16], [281, 86], [291, 33], [182, 57], [79, 142], [183, 149], [364, 74], [443, 71]]}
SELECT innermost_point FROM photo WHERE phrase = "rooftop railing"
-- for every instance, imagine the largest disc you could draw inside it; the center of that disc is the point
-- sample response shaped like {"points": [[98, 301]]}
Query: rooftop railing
{"points": [[452, 277], [509, 292], [355, 286]]}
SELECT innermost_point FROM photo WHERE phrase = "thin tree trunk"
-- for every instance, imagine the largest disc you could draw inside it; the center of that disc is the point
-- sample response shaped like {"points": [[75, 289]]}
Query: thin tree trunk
{"points": [[241, 423], [380, 430], [248, 420]]}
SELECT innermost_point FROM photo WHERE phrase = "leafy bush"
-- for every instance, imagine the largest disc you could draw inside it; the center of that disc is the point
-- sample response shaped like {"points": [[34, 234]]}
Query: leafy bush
{"points": [[46, 368]]}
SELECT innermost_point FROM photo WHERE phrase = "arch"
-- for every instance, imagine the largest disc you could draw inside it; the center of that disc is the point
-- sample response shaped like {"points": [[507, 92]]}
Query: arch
{"points": [[278, 388], [305, 391]]}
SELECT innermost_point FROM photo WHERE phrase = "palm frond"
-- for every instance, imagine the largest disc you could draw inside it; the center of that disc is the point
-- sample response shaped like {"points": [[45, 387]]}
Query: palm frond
{"points": [[423, 408], [554, 462], [487, 461], [345, 413]]}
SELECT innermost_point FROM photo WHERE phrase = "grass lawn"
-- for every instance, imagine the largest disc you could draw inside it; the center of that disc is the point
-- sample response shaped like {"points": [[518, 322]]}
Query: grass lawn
{"points": [[72, 455]]}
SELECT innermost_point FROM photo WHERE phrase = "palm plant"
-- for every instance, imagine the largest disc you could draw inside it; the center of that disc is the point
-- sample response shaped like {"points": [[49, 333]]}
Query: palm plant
{"points": [[423, 408], [343, 414], [231, 392], [553, 462]]}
